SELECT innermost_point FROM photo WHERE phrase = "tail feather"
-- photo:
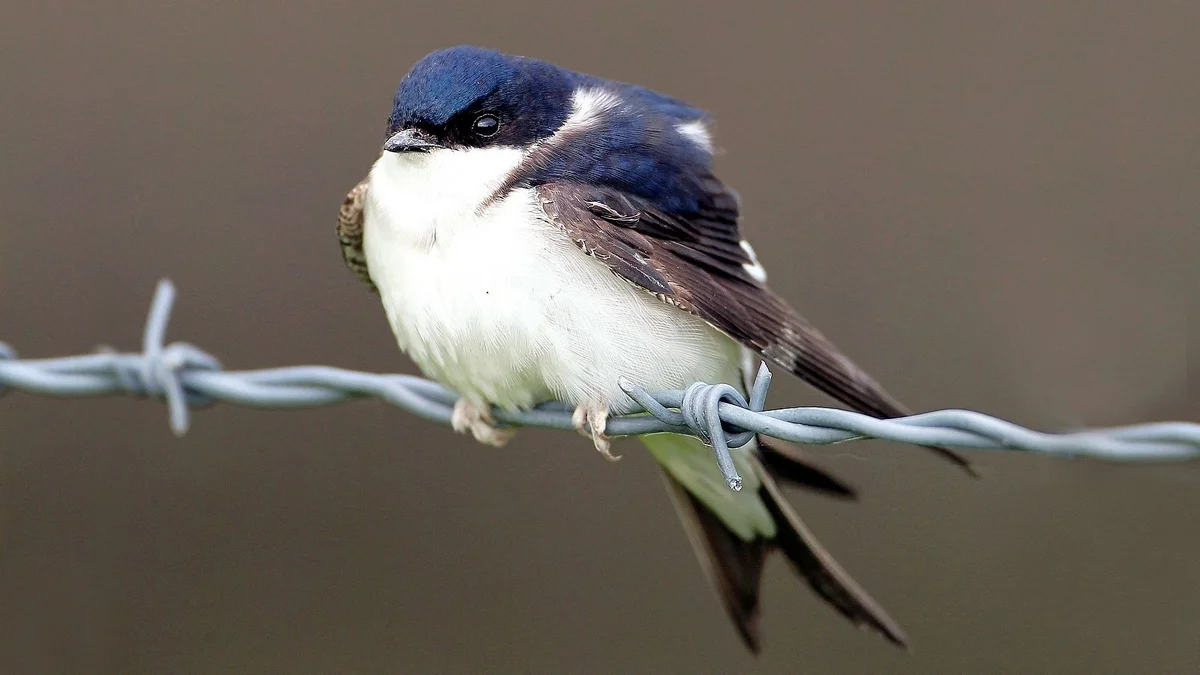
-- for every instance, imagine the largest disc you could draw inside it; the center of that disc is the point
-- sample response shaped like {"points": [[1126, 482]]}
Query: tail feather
{"points": [[734, 565], [811, 561], [788, 463]]}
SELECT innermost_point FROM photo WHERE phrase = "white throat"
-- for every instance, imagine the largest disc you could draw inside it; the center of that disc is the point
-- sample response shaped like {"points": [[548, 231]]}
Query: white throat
{"points": [[435, 194]]}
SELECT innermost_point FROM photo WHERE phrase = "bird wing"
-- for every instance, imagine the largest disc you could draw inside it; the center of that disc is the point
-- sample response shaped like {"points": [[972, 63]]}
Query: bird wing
{"points": [[699, 263], [350, 233]]}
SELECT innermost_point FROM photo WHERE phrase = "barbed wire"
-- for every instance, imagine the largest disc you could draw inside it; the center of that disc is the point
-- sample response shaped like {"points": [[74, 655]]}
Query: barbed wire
{"points": [[186, 377]]}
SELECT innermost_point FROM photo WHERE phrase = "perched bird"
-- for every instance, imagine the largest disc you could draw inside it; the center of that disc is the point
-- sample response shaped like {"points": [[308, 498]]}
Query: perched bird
{"points": [[537, 234]]}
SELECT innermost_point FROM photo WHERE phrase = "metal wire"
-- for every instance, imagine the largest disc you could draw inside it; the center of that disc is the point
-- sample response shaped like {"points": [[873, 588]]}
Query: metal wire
{"points": [[187, 377]]}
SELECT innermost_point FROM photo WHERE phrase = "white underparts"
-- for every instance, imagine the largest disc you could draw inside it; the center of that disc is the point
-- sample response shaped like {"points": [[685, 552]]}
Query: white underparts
{"points": [[497, 302]]}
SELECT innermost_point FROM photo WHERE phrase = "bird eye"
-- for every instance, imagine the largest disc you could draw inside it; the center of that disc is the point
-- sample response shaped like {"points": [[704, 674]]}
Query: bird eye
{"points": [[486, 125]]}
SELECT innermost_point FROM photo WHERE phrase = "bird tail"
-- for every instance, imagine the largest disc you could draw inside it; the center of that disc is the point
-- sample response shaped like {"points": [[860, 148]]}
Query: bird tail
{"points": [[733, 533]]}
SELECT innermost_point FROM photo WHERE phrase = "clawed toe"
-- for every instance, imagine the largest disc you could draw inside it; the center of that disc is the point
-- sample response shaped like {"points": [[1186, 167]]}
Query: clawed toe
{"points": [[590, 421], [466, 417]]}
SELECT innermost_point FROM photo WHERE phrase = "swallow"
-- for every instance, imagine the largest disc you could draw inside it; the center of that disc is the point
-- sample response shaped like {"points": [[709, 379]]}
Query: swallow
{"points": [[538, 234]]}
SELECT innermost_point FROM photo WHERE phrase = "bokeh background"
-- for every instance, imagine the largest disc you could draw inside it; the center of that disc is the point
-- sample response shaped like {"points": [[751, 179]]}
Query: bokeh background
{"points": [[988, 207]]}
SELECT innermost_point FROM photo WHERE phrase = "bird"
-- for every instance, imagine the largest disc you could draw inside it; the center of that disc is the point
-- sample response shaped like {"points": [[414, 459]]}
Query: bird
{"points": [[538, 234]]}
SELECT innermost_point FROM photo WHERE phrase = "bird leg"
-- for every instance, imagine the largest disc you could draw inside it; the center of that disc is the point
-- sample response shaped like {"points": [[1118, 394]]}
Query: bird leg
{"points": [[479, 421], [589, 420]]}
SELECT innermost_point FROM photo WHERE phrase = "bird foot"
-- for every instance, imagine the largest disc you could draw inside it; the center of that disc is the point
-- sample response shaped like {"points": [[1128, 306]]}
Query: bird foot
{"points": [[479, 421], [590, 421]]}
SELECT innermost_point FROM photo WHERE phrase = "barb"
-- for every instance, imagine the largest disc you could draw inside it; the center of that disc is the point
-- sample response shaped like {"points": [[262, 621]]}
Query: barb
{"points": [[186, 377]]}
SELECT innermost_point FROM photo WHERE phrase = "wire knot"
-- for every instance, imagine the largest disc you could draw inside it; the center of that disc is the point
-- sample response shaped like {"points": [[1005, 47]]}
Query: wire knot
{"points": [[157, 374], [700, 409], [700, 413], [159, 371]]}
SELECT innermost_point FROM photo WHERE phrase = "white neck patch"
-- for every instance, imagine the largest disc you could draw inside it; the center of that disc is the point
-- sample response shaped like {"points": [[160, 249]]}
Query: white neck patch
{"points": [[697, 133]]}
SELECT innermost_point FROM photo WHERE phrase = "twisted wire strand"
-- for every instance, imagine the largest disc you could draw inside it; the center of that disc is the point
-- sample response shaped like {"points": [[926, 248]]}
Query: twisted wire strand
{"points": [[186, 377]]}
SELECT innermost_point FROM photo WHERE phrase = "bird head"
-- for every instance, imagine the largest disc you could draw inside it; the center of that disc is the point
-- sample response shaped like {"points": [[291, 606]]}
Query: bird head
{"points": [[469, 97]]}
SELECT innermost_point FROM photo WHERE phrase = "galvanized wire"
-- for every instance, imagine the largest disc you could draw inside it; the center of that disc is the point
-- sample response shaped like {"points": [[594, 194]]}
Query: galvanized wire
{"points": [[187, 377]]}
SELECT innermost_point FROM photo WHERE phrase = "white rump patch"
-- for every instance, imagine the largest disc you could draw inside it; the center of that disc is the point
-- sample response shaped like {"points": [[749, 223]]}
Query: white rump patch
{"points": [[697, 133], [753, 268]]}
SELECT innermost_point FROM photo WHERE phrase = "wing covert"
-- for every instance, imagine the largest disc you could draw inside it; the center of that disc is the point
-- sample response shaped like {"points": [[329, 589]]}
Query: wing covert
{"points": [[350, 233]]}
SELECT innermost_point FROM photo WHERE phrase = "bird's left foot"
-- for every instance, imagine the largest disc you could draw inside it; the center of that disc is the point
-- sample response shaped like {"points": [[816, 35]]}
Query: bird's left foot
{"points": [[466, 417], [590, 420]]}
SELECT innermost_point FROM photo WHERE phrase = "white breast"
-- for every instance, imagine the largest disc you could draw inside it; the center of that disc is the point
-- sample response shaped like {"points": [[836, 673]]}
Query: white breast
{"points": [[499, 304]]}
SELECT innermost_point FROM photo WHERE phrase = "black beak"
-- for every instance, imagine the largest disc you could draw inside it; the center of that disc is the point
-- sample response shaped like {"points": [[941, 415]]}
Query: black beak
{"points": [[411, 140]]}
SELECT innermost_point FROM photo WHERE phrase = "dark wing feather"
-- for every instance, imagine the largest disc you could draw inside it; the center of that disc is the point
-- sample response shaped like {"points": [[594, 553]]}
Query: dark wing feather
{"points": [[350, 233], [696, 262]]}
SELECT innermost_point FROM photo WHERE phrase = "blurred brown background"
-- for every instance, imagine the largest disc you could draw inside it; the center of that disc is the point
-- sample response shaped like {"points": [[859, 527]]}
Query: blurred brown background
{"points": [[988, 208]]}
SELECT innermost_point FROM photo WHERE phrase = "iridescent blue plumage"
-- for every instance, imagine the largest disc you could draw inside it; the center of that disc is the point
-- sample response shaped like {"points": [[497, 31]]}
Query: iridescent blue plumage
{"points": [[637, 146], [448, 81]]}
